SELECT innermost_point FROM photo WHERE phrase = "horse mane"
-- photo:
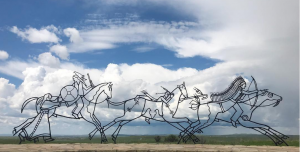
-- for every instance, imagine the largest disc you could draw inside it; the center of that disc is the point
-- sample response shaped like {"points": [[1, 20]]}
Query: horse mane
{"points": [[229, 92]]}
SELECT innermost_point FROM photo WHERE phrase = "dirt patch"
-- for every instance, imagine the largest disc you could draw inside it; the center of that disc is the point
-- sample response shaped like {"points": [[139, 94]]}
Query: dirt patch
{"points": [[140, 147]]}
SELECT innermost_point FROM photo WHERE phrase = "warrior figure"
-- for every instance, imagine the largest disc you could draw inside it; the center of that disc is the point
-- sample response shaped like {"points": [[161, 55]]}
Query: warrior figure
{"points": [[231, 97], [80, 85]]}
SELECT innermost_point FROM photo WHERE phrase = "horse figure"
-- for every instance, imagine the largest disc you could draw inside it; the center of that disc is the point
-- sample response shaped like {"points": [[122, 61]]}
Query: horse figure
{"points": [[143, 104], [262, 98], [151, 108], [47, 105]]}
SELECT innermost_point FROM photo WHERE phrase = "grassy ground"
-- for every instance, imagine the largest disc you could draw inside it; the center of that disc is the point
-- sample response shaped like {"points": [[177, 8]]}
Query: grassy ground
{"points": [[204, 139]]}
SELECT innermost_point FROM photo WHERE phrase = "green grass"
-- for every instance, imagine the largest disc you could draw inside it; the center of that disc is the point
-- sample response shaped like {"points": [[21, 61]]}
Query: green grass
{"points": [[247, 140]]}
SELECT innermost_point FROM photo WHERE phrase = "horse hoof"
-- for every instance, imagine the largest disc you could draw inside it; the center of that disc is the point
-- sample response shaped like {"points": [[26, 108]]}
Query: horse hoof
{"points": [[114, 139], [104, 140], [14, 132], [279, 142], [179, 136], [21, 138], [48, 139]]}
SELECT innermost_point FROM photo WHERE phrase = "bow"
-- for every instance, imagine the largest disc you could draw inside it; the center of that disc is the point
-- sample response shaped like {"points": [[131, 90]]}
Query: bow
{"points": [[255, 84]]}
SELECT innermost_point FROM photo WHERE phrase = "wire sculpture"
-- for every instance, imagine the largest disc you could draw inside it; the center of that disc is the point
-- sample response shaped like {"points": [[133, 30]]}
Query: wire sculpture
{"points": [[86, 98]]}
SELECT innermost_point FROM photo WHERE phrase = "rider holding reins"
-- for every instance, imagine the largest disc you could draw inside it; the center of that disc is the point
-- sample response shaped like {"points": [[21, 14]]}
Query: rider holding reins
{"points": [[80, 85]]}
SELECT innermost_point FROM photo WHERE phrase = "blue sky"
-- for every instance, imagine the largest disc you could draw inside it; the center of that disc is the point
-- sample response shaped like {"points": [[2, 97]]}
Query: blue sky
{"points": [[141, 45], [67, 13]]}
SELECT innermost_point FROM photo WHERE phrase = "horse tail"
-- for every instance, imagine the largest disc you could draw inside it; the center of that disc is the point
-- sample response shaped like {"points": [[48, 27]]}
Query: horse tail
{"points": [[27, 101]]}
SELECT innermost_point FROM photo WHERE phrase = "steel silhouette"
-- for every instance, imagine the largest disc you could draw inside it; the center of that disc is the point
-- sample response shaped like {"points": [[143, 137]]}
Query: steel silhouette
{"points": [[236, 101]]}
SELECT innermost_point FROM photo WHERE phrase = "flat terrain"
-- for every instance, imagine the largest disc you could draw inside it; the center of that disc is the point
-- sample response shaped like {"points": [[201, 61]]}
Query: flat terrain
{"points": [[246, 140], [140, 147], [148, 143]]}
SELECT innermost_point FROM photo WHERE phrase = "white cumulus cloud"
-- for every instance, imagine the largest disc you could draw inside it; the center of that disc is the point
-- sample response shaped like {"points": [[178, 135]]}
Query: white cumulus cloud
{"points": [[33, 35], [48, 59], [61, 51], [6, 89], [3, 55], [73, 34]]}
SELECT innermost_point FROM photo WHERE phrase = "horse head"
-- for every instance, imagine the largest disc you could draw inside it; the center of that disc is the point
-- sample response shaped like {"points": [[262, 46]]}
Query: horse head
{"points": [[107, 89], [266, 98], [183, 91]]}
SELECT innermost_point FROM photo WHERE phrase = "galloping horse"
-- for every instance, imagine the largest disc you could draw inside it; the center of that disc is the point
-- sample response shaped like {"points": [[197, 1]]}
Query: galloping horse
{"points": [[262, 99], [47, 105], [144, 104]]}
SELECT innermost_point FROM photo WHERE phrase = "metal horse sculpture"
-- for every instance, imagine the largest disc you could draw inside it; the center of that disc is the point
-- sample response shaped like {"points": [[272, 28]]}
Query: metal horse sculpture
{"points": [[146, 106], [260, 98], [236, 98], [47, 105]]}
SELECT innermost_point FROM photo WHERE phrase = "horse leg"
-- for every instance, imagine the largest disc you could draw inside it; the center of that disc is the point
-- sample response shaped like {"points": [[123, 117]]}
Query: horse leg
{"points": [[182, 129], [118, 119], [277, 140], [98, 127], [211, 118], [49, 138], [107, 126], [279, 133], [187, 131], [264, 129], [113, 136], [103, 137], [122, 123], [23, 125], [92, 133], [123, 120], [190, 131], [266, 134], [94, 120], [177, 121], [280, 140], [22, 137]]}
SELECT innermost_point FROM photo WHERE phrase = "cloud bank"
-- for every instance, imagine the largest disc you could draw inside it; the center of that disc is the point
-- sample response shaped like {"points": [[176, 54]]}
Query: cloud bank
{"points": [[250, 38]]}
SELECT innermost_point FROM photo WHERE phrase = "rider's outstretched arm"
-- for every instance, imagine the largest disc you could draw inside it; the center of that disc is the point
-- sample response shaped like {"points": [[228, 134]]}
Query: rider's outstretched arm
{"points": [[252, 92], [249, 92], [148, 95]]}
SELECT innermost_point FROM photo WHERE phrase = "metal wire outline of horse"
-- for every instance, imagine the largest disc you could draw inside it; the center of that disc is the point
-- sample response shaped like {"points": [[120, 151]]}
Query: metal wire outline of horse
{"points": [[185, 134], [47, 105]]}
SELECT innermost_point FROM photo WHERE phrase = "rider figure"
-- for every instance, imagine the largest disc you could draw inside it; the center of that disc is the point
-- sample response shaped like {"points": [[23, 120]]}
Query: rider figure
{"points": [[231, 97], [165, 98], [80, 85], [168, 96]]}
